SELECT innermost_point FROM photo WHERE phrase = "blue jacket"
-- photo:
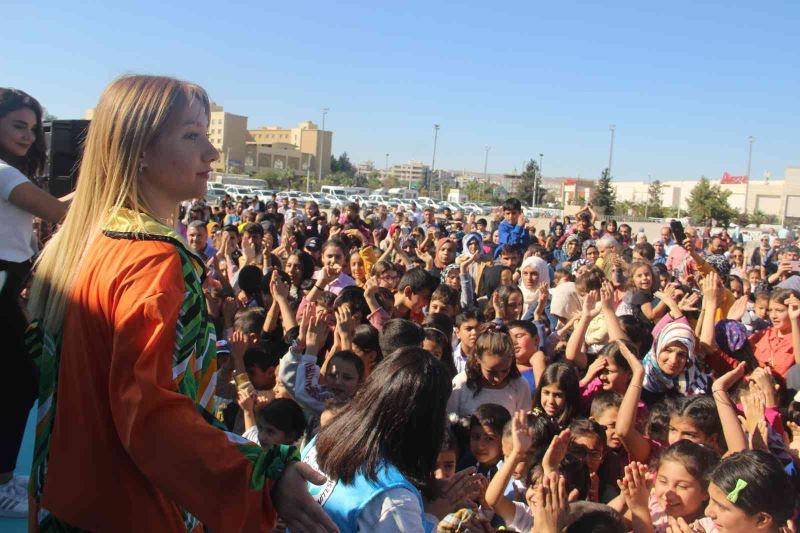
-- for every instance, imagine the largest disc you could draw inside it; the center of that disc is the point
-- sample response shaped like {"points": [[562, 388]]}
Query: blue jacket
{"points": [[344, 502], [514, 235]]}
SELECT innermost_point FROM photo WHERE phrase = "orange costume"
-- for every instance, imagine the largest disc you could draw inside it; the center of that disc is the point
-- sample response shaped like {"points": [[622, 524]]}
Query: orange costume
{"points": [[127, 443]]}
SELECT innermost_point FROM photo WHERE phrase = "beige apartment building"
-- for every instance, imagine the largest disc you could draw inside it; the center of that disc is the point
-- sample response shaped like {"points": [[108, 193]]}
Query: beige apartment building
{"points": [[252, 150], [228, 133], [413, 171], [299, 149]]}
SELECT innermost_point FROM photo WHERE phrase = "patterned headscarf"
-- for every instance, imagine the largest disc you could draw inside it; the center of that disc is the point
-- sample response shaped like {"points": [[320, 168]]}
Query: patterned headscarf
{"points": [[446, 270], [720, 264], [691, 380], [588, 243], [730, 335]]}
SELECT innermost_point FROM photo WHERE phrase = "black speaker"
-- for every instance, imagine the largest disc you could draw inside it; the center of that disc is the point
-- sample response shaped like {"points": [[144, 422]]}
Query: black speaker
{"points": [[64, 140]]}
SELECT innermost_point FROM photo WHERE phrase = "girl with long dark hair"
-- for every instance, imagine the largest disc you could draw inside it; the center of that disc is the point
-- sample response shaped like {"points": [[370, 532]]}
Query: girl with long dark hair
{"points": [[382, 449], [22, 158]]}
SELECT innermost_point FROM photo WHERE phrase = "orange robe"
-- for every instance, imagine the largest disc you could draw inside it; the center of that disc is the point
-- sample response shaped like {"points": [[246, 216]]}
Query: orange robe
{"points": [[128, 451]]}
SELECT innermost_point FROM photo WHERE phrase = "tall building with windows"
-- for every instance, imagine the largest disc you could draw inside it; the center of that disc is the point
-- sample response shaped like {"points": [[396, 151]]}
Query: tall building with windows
{"points": [[228, 133], [300, 149]]}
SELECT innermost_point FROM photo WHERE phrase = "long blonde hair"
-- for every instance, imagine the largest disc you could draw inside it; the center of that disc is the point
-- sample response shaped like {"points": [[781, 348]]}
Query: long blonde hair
{"points": [[132, 112]]}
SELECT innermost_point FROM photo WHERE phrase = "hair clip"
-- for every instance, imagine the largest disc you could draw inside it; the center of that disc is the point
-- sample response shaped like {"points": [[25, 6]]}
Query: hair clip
{"points": [[734, 494]]}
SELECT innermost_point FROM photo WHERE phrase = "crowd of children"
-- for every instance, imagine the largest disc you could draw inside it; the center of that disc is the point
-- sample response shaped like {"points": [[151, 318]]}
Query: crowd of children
{"points": [[576, 364], [468, 374]]}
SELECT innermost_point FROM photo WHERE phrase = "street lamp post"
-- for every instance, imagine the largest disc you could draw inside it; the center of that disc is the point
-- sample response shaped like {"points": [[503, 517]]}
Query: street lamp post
{"points": [[386, 166], [613, 129], [321, 142], [750, 140], [433, 162]]}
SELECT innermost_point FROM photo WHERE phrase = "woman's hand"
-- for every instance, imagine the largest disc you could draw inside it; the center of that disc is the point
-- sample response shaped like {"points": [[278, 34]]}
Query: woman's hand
{"points": [[295, 505]]}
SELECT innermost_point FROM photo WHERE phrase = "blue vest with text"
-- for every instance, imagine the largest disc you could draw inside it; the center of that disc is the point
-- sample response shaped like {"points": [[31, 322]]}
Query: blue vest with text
{"points": [[344, 502]]}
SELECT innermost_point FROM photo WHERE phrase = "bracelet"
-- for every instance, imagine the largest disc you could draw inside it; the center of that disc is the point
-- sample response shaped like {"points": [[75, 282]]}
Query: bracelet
{"points": [[320, 288]]}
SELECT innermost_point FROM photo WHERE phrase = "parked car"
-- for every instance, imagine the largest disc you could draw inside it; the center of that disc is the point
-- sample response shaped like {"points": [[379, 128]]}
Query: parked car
{"points": [[239, 192], [322, 200], [215, 196], [336, 201], [470, 207]]}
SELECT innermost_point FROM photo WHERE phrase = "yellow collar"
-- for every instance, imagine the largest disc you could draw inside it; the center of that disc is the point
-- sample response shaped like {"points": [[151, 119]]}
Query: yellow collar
{"points": [[126, 220]]}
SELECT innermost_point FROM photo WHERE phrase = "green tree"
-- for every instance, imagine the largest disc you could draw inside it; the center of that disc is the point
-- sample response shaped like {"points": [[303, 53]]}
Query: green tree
{"points": [[529, 181], [276, 178], [604, 195], [708, 201], [342, 164], [654, 199]]}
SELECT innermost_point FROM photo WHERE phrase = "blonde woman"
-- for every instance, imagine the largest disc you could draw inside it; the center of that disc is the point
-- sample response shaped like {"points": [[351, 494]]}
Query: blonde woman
{"points": [[121, 332]]}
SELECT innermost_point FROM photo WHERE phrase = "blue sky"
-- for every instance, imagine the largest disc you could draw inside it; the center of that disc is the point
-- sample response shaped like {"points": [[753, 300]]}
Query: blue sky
{"points": [[685, 83]]}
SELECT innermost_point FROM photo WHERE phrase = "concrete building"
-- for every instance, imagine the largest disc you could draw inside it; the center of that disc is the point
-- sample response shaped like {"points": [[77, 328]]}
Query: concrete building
{"points": [[413, 171], [299, 148], [771, 197], [228, 133]]}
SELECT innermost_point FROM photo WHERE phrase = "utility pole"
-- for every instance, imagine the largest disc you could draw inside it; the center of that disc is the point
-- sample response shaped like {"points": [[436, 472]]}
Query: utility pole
{"points": [[613, 128], [308, 173], [322, 143], [433, 162], [486, 165], [386, 167], [750, 140], [647, 198]]}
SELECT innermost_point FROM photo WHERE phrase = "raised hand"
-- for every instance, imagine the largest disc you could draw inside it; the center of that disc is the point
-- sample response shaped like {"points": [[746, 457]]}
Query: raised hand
{"points": [[630, 358], [246, 400], [317, 331], [607, 296], [328, 274], [590, 308], [497, 304], [738, 309], [729, 379], [633, 487], [345, 324], [551, 504], [522, 433], [278, 287], [794, 307], [556, 452], [595, 368], [469, 261]]}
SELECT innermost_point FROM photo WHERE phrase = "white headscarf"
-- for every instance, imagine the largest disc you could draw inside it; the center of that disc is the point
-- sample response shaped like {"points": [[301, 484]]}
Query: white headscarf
{"points": [[529, 296]]}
